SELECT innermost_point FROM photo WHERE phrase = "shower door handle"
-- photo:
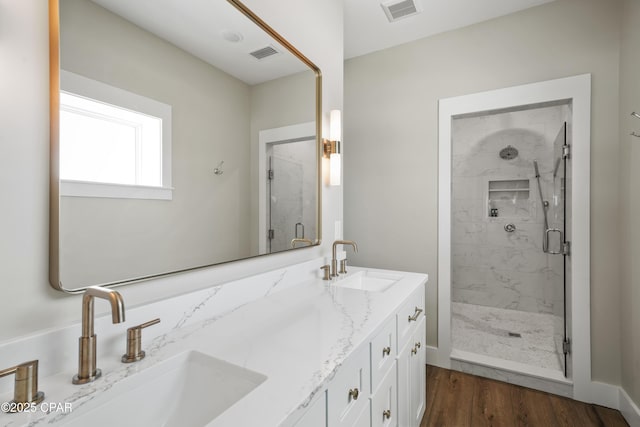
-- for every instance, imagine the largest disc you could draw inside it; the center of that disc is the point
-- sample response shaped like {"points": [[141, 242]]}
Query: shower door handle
{"points": [[299, 226], [560, 244]]}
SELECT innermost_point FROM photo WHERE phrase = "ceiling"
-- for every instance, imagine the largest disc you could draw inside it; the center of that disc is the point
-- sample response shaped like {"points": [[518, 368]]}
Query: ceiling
{"points": [[366, 28], [200, 29]]}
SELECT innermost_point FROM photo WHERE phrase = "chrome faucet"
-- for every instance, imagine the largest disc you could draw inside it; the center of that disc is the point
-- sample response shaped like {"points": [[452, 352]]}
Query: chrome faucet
{"points": [[334, 261], [87, 370]]}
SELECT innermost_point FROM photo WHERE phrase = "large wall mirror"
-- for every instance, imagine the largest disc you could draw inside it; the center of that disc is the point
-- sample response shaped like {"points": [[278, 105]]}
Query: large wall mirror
{"points": [[182, 136]]}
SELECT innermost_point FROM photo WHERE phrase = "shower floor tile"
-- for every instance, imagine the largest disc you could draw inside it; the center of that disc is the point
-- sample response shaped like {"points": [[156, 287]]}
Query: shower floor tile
{"points": [[493, 332]]}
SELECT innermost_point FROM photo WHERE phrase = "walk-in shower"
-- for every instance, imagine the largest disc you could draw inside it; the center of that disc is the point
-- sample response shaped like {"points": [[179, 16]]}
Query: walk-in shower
{"points": [[508, 235]]}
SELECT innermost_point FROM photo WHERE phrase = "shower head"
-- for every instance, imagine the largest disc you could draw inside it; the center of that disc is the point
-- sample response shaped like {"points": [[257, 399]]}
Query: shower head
{"points": [[535, 166], [508, 153]]}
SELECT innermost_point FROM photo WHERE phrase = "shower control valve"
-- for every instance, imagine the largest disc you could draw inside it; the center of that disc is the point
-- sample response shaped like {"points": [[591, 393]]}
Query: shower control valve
{"points": [[510, 228]]}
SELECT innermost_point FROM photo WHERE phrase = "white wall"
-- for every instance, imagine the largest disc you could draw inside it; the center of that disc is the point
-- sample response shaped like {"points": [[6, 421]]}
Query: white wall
{"points": [[390, 141], [630, 199], [28, 303]]}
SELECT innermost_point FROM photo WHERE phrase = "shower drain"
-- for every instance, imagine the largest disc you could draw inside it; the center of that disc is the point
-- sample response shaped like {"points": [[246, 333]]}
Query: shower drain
{"points": [[514, 334]]}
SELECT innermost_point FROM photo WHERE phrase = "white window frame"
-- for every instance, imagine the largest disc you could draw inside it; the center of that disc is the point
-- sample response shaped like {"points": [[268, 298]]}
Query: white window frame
{"points": [[102, 92]]}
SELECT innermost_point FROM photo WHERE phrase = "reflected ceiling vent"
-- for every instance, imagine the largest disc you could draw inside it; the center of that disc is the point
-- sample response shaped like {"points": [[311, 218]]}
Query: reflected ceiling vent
{"points": [[263, 53], [396, 10]]}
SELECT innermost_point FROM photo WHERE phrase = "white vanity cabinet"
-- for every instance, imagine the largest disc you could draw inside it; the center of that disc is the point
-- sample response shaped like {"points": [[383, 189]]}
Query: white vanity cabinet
{"points": [[382, 382]]}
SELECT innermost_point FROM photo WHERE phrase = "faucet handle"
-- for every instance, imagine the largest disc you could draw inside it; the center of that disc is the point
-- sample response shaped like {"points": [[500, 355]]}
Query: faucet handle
{"points": [[26, 383], [343, 266], [327, 272], [134, 342]]}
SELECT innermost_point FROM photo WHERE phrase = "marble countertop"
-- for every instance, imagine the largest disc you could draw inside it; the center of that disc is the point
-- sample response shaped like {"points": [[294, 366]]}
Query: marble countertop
{"points": [[297, 338]]}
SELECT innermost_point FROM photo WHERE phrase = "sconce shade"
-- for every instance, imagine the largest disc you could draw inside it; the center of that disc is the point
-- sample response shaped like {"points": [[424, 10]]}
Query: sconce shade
{"points": [[332, 147], [335, 125]]}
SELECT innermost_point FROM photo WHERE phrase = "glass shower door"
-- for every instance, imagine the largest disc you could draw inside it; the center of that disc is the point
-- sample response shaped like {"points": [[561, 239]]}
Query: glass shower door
{"points": [[558, 245], [285, 201], [292, 170]]}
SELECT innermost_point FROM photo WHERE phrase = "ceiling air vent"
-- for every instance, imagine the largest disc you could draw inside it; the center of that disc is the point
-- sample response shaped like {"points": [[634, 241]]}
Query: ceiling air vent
{"points": [[264, 52], [396, 10]]}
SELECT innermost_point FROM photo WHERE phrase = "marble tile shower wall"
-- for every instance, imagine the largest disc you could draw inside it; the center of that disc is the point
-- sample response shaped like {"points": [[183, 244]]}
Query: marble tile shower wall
{"points": [[491, 266]]}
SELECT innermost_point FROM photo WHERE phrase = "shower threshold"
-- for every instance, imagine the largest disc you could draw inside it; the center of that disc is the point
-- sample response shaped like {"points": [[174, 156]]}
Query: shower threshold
{"points": [[547, 380]]}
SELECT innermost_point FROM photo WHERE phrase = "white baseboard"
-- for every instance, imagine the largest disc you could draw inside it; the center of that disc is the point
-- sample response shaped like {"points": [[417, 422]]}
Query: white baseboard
{"points": [[602, 394], [436, 358], [629, 409]]}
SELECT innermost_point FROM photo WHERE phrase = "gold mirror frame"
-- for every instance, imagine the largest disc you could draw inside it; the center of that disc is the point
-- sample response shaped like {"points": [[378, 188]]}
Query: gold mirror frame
{"points": [[54, 158]]}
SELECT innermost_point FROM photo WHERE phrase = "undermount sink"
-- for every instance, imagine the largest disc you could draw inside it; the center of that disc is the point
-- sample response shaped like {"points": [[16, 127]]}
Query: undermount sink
{"points": [[190, 389], [370, 281]]}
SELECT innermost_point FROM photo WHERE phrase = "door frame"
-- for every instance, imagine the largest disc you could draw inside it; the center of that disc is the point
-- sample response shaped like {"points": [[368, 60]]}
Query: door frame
{"points": [[576, 89]]}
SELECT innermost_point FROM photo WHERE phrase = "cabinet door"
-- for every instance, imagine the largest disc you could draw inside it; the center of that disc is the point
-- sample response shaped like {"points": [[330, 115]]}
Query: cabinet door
{"points": [[384, 409], [364, 419], [404, 386], [349, 390], [411, 368], [383, 353], [418, 375], [316, 415]]}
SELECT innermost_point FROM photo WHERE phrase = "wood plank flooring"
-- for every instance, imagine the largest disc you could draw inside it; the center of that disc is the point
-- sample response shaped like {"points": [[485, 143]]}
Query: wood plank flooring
{"points": [[456, 399]]}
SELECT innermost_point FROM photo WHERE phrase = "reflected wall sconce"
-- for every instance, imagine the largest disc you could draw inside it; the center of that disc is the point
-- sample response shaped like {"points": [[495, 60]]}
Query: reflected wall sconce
{"points": [[331, 147]]}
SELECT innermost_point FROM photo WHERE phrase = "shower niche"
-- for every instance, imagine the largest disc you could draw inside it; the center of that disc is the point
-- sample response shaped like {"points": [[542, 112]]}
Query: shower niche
{"points": [[508, 198]]}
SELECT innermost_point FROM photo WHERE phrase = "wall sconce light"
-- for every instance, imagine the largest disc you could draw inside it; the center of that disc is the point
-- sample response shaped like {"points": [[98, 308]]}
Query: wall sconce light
{"points": [[332, 147]]}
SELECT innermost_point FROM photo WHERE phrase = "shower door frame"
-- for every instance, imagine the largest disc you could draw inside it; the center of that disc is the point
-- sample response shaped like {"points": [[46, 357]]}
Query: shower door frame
{"points": [[291, 133], [577, 91]]}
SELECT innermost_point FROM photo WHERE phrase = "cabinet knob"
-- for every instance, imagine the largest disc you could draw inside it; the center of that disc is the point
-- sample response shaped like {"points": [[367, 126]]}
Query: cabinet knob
{"points": [[415, 348], [354, 393], [415, 315], [386, 351], [386, 414]]}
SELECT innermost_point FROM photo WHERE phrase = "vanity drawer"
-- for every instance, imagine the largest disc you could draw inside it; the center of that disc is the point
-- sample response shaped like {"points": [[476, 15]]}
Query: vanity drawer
{"points": [[349, 390], [383, 353], [409, 315], [384, 409]]}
